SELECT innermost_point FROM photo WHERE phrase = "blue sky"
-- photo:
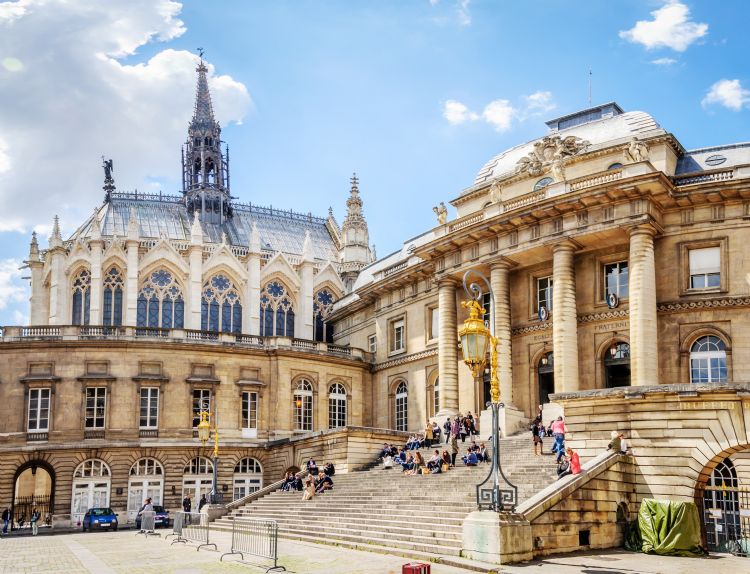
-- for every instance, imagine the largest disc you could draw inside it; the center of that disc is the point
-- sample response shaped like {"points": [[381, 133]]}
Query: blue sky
{"points": [[412, 95]]}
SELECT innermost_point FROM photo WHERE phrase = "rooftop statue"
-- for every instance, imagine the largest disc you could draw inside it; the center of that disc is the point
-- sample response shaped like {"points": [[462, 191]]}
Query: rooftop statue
{"points": [[442, 213], [548, 150]]}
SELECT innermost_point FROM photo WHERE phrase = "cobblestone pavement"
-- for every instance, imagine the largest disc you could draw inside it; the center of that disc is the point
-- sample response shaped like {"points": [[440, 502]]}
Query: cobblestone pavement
{"points": [[124, 552]]}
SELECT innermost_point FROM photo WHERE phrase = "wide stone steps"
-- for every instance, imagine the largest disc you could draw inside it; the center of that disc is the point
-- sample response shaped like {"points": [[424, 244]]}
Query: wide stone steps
{"points": [[384, 510]]}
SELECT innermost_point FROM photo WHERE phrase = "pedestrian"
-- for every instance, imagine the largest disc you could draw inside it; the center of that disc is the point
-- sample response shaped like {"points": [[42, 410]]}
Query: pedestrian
{"points": [[428, 435], [35, 515], [202, 502], [470, 424], [187, 506], [6, 519], [147, 506], [454, 449], [623, 444], [558, 431], [447, 430], [535, 438]]}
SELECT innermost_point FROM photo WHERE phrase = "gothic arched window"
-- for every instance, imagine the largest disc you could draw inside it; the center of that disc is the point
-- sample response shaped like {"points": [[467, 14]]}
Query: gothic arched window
{"points": [[221, 309], [708, 360], [276, 311], [160, 302], [322, 307], [336, 406], [81, 297], [113, 288]]}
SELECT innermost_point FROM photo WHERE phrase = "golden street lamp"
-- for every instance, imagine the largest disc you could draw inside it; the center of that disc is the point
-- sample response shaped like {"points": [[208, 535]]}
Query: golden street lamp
{"points": [[476, 338], [204, 435]]}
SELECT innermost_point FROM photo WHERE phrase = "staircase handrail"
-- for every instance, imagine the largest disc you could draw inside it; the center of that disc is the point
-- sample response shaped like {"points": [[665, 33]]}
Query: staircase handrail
{"points": [[261, 493]]}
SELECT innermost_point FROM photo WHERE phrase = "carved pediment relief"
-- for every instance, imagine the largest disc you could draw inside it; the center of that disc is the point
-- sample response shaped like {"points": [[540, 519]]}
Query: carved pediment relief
{"points": [[548, 151]]}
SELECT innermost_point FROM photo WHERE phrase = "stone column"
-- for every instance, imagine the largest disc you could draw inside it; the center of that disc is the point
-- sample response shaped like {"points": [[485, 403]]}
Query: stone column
{"points": [[448, 348], [195, 259], [500, 281], [95, 305], [564, 318], [131, 282], [644, 365], [39, 310]]}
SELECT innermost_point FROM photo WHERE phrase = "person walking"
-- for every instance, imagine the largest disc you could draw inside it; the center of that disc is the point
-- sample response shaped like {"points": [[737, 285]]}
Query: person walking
{"points": [[454, 449], [6, 519], [428, 435], [536, 439], [35, 516], [558, 431], [447, 430], [187, 506], [202, 502]]}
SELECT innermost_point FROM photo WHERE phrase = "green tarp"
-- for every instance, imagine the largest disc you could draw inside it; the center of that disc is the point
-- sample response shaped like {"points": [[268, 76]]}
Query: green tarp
{"points": [[670, 528]]}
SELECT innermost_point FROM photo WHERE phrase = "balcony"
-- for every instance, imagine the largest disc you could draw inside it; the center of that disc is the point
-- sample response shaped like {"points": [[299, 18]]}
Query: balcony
{"points": [[37, 436], [148, 433], [91, 333], [93, 434]]}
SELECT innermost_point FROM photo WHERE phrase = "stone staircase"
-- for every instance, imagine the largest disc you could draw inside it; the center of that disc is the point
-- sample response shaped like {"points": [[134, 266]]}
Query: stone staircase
{"points": [[387, 511]]}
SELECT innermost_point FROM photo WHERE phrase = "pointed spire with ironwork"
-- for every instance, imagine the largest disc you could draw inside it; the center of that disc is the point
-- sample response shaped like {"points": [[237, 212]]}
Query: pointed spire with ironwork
{"points": [[55, 240], [205, 168]]}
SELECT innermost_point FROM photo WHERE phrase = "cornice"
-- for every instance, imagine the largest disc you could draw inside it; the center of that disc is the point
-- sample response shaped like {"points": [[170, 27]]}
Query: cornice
{"points": [[546, 325], [679, 306], [603, 315], [404, 359]]}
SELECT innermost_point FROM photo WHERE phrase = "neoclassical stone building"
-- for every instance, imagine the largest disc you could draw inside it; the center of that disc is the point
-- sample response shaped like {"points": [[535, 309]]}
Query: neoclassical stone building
{"points": [[616, 256]]}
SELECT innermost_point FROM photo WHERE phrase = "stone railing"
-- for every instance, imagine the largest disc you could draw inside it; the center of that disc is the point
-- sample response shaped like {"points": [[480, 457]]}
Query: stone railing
{"points": [[598, 179], [717, 175], [395, 268], [105, 333], [465, 221], [524, 200]]}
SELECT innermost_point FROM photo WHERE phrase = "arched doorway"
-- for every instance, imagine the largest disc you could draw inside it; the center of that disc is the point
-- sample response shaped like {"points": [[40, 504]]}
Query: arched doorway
{"points": [[146, 480], [724, 505], [91, 486], [617, 365], [197, 479], [546, 376], [33, 487], [248, 478]]}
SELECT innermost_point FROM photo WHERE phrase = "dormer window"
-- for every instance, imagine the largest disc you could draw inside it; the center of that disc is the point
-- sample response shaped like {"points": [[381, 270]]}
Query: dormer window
{"points": [[542, 183]]}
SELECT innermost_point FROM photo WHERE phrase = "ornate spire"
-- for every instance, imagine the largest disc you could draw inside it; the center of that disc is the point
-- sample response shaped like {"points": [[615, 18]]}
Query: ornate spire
{"points": [[355, 237], [354, 203], [196, 231], [34, 248], [55, 239], [203, 114]]}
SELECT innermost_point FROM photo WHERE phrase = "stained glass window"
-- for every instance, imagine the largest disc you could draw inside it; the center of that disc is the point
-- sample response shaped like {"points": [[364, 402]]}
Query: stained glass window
{"points": [[276, 311], [322, 307], [160, 302], [113, 288], [221, 309], [81, 297]]}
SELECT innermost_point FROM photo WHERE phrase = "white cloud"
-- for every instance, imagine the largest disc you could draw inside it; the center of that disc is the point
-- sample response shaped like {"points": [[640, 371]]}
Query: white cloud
{"points": [[464, 18], [664, 61], [670, 28], [20, 318], [457, 113], [12, 289], [728, 93], [75, 99], [538, 103], [499, 114]]}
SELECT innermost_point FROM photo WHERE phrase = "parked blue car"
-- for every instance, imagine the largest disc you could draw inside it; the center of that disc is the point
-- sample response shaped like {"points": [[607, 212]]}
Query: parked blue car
{"points": [[99, 519]]}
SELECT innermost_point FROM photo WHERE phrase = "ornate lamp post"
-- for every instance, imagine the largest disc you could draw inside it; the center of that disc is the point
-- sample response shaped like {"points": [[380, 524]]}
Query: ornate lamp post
{"points": [[496, 492], [204, 434]]}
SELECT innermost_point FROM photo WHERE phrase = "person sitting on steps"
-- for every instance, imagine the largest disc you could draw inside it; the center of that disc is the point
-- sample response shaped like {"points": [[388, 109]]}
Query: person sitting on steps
{"points": [[482, 454], [323, 483], [312, 467], [309, 488], [435, 462], [329, 469], [470, 459]]}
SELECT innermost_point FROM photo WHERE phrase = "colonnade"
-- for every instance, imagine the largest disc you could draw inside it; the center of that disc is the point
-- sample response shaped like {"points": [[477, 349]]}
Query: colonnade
{"points": [[564, 318]]}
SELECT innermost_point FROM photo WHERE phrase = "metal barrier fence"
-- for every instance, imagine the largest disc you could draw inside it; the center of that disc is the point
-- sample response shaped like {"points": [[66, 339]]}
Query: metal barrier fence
{"points": [[148, 523], [176, 526], [194, 527], [256, 537]]}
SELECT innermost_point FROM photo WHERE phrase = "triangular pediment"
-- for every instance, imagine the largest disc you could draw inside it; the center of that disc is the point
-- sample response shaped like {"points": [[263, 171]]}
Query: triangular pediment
{"points": [[329, 276], [279, 265], [163, 251], [223, 258]]}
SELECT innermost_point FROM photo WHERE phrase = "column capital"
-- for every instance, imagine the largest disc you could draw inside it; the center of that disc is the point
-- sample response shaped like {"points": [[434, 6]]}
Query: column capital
{"points": [[649, 228], [502, 263], [446, 281], [566, 245]]}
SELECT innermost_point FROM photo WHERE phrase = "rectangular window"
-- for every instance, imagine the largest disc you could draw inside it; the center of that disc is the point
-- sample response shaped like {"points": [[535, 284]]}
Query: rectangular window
{"points": [[434, 315], [201, 402], [372, 343], [149, 408], [96, 403], [616, 280], [249, 410], [38, 410], [705, 267], [544, 293], [398, 336]]}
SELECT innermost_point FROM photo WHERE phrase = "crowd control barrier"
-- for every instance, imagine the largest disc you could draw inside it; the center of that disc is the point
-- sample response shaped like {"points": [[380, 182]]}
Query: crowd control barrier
{"points": [[257, 538], [148, 525], [194, 527], [176, 526]]}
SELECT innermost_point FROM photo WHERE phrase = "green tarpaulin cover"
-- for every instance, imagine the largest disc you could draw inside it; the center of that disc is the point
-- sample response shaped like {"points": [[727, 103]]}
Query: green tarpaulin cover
{"points": [[670, 528]]}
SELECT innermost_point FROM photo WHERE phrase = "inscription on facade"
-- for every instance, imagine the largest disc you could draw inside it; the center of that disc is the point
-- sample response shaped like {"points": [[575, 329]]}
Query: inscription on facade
{"points": [[611, 326], [708, 405]]}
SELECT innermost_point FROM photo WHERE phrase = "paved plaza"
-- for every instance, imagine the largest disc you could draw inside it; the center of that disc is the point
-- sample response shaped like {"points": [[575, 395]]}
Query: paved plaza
{"points": [[125, 552]]}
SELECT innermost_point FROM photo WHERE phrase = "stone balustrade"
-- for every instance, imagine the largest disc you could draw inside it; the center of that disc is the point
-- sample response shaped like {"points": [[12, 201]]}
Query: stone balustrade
{"points": [[101, 332]]}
